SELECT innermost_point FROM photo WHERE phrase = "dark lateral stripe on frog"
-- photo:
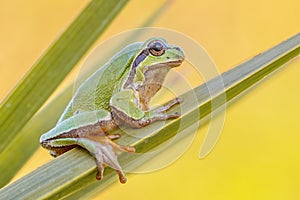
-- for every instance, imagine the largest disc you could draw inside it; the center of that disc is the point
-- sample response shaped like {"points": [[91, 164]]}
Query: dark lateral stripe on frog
{"points": [[142, 56]]}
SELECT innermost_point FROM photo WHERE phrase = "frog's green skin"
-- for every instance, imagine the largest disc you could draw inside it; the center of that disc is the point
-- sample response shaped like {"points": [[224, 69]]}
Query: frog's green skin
{"points": [[117, 93]]}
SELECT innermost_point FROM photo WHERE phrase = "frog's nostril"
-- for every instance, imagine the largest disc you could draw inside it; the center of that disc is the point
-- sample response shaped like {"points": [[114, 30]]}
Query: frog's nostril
{"points": [[179, 50]]}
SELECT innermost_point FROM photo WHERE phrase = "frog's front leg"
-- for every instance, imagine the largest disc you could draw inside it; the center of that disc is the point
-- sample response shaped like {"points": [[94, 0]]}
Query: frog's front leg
{"points": [[126, 109]]}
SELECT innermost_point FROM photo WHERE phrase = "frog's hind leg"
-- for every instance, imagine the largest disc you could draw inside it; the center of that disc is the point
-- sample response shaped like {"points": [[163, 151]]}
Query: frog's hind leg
{"points": [[103, 150]]}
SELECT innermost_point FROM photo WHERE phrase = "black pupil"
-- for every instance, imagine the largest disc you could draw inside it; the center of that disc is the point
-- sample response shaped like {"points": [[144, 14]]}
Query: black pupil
{"points": [[157, 46]]}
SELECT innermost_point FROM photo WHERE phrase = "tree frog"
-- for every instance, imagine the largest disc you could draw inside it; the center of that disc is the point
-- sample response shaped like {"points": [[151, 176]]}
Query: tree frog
{"points": [[117, 93]]}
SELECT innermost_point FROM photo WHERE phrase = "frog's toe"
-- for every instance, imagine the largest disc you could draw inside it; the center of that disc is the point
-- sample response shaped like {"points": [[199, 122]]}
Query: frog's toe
{"points": [[114, 136], [119, 148], [173, 115], [178, 100], [122, 176], [128, 149], [99, 161], [99, 175], [168, 105]]}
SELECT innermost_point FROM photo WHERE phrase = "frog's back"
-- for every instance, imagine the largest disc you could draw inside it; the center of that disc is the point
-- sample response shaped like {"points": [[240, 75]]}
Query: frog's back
{"points": [[96, 91]]}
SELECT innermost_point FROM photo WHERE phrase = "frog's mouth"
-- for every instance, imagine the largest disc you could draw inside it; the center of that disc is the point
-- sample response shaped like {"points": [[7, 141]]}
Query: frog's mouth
{"points": [[171, 64], [174, 63]]}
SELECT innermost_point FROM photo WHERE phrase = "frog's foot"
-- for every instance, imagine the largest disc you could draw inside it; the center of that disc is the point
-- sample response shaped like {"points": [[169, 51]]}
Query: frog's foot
{"points": [[168, 105], [106, 152]]}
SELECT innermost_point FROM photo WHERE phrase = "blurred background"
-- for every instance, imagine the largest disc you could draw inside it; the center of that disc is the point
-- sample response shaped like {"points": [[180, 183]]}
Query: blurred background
{"points": [[257, 156]]}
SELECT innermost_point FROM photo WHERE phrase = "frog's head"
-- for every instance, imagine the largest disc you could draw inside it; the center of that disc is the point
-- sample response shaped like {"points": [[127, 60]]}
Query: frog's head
{"points": [[151, 65], [161, 54]]}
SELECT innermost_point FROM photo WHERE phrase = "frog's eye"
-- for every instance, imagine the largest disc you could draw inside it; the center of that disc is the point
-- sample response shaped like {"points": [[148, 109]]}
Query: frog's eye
{"points": [[156, 48]]}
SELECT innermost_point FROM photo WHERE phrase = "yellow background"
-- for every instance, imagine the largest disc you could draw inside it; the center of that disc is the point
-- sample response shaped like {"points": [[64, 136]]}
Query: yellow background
{"points": [[258, 154]]}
